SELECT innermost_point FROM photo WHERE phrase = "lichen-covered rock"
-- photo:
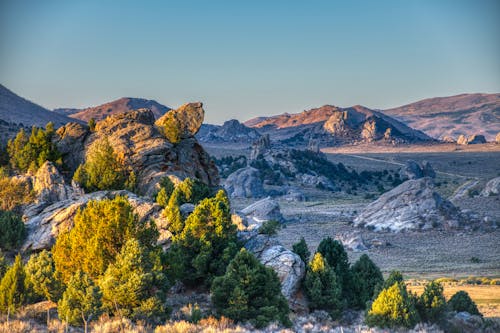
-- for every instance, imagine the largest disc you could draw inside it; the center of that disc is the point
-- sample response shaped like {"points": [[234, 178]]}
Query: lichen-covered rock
{"points": [[50, 186], [491, 188], [182, 123], [244, 183], [412, 205], [261, 211], [45, 222]]}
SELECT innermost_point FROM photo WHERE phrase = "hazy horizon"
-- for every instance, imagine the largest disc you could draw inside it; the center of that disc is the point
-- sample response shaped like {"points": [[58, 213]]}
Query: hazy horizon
{"points": [[249, 59]]}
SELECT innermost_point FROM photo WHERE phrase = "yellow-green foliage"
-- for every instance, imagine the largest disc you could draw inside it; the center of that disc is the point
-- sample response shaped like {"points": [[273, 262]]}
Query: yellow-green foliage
{"points": [[13, 287], [432, 304], [13, 192], [100, 230], [43, 277], [171, 129], [12, 230]]}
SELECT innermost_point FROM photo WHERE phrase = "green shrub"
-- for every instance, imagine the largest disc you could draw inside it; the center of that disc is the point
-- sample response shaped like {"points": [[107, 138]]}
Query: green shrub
{"points": [[393, 307], [166, 189], [14, 192], [43, 277], [270, 228], [461, 301], [12, 230], [321, 287], [432, 304], [302, 250], [13, 287], [367, 277], [250, 291]]}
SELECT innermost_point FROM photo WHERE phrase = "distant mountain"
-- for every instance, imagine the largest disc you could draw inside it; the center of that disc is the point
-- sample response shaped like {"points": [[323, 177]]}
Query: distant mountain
{"points": [[334, 125], [118, 106], [17, 110], [451, 116], [231, 131]]}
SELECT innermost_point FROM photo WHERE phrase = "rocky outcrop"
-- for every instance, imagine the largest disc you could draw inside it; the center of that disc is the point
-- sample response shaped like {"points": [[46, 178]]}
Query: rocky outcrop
{"points": [[244, 183], [187, 120], [51, 187], [448, 139], [414, 170], [462, 140], [497, 138], [231, 131], [491, 188], [287, 264], [294, 194], [142, 148], [473, 139], [44, 223], [413, 205], [261, 211], [352, 241], [260, 146]]}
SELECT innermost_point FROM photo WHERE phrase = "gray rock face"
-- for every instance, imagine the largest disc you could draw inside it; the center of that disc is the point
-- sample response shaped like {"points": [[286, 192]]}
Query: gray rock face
{"points": [[231, 131], [45, 222], [50, 186], [288, 265], [414, 170], [491, 188], [261, 211], [412, 205], [70, 141], [187, 119], [244, 183], [476, 139], [260, 146], [295, 195], [448, 139], [352, 241]]}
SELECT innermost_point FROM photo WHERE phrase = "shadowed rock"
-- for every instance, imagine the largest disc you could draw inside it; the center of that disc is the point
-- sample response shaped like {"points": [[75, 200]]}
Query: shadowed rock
{"points": [[244, 183]]}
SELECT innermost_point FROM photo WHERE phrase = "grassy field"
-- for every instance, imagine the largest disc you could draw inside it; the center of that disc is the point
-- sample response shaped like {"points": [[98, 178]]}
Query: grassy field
{"points": [[487, 297]]}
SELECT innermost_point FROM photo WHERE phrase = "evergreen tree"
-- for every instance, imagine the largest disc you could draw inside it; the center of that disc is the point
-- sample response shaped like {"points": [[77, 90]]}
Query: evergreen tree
{"points": [[461, 301], [12, 230], [3, 265], [100, 230], [432, 304], [367, 276], [322, 288], [250, 291], [13, 288], [302, 250], [42, 274], [81, 301], [91, 124], [132, 283], [166, 189], [393, 307]]}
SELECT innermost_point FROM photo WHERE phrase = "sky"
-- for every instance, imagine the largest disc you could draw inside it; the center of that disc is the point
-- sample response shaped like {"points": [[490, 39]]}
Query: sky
{"points": [[249, 58]]}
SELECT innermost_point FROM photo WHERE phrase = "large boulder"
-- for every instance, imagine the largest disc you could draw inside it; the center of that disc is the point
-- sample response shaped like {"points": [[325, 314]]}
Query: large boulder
{"points": [[413, 205], [462, 140], [50, 186], [244, 183], [70, 141], [491, 188], [260, 146], [476, 139], [262, 211], [187, 120], [44, 223], [497, 138], [414, 170]]}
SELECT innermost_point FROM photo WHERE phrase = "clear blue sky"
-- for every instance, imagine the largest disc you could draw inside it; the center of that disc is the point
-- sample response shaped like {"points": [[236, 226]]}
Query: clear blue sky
{"points": [[249, 58]]}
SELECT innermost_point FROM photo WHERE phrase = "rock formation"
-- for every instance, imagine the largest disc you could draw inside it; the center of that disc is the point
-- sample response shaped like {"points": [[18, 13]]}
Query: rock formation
{"points": [[412, 205], [414, 170], [51, 187], [231, 131], [497, 138], [491, 188], [187, 120], [448, 139], [261, 211], [244, 183], [462, 140], [260, 146], [473, 139]]}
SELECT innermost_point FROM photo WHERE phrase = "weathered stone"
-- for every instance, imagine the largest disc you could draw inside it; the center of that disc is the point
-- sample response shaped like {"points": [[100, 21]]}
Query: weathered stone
{"points": [[414, 170], [186, 209], [497, 138], [491, 188], [50, 186], [70, 141], [448, 139], [260, 146], [352, 241], [244, 183], [187, 120], [410, 206], [295, 195], [261, 211]]}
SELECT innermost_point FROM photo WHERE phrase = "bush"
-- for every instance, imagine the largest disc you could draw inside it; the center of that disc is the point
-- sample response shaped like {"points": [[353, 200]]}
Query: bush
{"points": [[322, 288], [43, 277], [13, 192], [12, 230], [302, 250], [270, 228], [13, 287], [393, 307], [432, 304], [461, 301], [250, 291], [166, 189], [100, 230], [367, 277]]}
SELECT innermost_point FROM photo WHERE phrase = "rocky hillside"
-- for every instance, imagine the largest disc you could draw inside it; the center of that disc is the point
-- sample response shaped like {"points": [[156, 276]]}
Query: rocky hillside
{"points": [[15, 110], [334, 125], [231, 131], [118, 106], [452, 116]]}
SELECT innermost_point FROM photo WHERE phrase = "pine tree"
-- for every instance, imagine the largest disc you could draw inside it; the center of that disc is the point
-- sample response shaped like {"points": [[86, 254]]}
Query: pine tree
{"points": [[461, 301], [250, 291], [12, 230], [81, 301], [41, 272], [166, 189], [432, 304], [13, 287], [302, 250], [321, 287], [367, 277]]}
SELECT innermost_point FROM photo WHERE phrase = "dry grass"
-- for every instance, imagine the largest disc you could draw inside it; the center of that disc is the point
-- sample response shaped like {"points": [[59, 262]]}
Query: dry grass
{"points": [[487, 297]]}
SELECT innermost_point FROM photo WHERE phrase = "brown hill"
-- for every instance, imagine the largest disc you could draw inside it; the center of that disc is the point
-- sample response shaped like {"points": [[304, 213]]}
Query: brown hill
{"points": [[454, 115], [118, 106]]}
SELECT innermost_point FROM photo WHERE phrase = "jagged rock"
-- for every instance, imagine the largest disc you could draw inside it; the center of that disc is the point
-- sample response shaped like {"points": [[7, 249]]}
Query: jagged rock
{"points": [[336, 125], [244, 183], [476, 139], [187, 119], [467, 323], [448, 139], [239, 220], [313, 180], [414, 170], [261, 211], [369, 131], [313, 146], [260, 146], [50, 186], [140, 145], [44, 223], [294, 194], [353, 242], [497, 138], [186, 209], [288, 265], [491, 188], [231, 131], [462, 140], [412, 205], [388, 134]]}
